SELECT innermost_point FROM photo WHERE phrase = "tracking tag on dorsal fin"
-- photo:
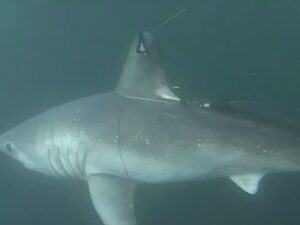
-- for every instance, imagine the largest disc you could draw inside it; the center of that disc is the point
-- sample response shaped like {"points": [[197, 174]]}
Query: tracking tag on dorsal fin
{"points": [[248, 182], [142, 76], [113, 199]]}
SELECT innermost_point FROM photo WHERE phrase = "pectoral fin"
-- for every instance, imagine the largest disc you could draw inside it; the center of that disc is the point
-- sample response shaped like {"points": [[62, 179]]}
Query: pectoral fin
{"points": [[113, 199], [248, 182]]}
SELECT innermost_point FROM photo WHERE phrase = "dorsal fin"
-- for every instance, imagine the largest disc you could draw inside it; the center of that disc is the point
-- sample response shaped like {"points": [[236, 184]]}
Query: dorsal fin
{"points": [[142, 76]]}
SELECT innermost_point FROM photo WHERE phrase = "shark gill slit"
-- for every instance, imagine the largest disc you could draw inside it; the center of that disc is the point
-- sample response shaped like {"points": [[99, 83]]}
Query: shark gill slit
{"points": [[83, 162], [75, 163], [60, 162], [53, 164], [55, 160], [64, 161], [81, 158], [71, 166]]}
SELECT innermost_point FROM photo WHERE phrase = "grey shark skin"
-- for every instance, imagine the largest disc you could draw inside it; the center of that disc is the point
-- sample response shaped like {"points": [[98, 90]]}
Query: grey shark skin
{"points": [[142, 133]]}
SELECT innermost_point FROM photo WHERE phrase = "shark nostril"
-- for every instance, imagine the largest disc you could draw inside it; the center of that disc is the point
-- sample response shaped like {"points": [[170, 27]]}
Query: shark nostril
{"points": [[9, 147]]}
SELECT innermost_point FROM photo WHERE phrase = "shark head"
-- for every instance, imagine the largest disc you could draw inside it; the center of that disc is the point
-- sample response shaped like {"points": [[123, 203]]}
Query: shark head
{"points": [[20, 143], [17, 146]]}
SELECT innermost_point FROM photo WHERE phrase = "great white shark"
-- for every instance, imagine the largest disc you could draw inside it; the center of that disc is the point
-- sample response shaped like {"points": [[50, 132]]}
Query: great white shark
{"points": [[141, 132]]}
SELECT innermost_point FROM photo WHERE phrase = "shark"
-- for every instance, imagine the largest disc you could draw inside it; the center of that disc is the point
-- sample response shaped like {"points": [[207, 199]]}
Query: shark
{"points": [[141, 132]]}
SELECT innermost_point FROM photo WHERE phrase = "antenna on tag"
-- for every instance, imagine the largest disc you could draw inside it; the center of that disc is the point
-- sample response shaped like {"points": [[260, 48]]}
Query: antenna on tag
{"points": [[162, 24]]}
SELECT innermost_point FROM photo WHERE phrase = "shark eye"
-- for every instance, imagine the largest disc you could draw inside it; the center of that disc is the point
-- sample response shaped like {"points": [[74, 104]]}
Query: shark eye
{"points": [[9, 147]]}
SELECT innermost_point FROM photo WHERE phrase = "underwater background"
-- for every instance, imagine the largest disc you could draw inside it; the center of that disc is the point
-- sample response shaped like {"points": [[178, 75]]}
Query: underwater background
{"points": [[55, 51]]}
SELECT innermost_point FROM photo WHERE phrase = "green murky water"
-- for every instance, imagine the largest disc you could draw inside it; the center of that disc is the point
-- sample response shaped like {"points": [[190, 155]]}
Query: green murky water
{"points": [[55, 51]]}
